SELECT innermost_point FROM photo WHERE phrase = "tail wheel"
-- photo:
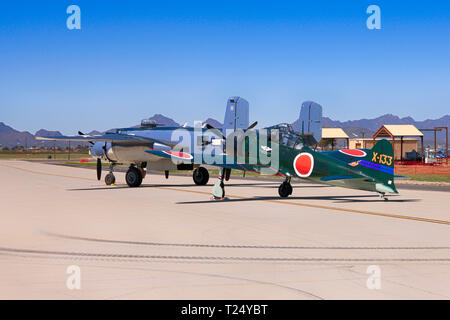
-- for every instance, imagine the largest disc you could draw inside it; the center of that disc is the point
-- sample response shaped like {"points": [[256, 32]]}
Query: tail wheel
{"points": [[200, 176], [285, 190], [133, 177]]}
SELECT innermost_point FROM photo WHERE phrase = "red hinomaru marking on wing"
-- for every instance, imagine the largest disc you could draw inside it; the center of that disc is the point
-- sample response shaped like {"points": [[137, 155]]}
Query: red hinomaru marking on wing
{"points": [[181, 155], [304, 164], [354, 152]]}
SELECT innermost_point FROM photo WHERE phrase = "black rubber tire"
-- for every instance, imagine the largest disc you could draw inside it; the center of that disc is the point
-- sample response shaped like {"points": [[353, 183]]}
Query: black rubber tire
{"points": [[285, 190], [290, 188], [110, 179], [200, 176], [133, 177]]}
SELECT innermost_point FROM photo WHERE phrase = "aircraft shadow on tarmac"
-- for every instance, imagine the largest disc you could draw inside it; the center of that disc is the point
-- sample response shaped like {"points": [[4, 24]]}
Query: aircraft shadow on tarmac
{"points": [[182, 185], [338, 199]]}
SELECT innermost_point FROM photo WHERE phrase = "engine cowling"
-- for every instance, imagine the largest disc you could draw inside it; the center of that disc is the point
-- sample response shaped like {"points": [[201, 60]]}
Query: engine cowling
{"points": [[99, 149], [125, 152]]}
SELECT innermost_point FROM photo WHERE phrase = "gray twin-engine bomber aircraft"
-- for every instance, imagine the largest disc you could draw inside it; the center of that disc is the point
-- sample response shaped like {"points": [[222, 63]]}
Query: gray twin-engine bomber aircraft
{"points": [[128, 145]]}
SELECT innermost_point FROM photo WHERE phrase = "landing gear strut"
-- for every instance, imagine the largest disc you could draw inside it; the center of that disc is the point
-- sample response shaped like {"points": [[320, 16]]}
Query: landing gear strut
{"points": [[285, 189], [219, 188], [383, 197], [110, 178], [227, 173], [134, 177]]}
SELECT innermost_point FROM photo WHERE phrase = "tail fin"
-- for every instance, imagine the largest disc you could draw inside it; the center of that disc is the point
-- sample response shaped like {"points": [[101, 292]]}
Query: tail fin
{"points": [[379, 165], [310, 122], [236, 115]]}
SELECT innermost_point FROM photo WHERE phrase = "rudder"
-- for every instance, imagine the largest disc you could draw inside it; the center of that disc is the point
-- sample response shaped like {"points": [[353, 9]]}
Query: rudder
{"points": [[236, 114], [310, 122], [379, 165]]}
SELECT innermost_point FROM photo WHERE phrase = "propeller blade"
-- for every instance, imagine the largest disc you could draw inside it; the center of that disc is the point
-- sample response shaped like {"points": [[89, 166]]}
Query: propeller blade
{"points": [[252, 125], [90, 142], [99, 169], [241, 138], [216, 131]]}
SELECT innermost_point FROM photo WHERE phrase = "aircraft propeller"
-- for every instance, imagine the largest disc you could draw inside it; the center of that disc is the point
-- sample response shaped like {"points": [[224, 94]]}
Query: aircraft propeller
{"points": [[99, 169], [252, 125], [82, 134], [217, 131], [99, 161], [240, 138]]}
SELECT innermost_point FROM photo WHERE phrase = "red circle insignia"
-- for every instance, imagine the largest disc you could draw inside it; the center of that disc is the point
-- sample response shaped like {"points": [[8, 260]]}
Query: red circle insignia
{"points": [[181, 155], [354, 152], [304, 164]]}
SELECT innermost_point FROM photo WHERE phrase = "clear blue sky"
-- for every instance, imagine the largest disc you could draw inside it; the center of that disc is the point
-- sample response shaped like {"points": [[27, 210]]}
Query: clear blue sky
{"points": [[132, 59]]}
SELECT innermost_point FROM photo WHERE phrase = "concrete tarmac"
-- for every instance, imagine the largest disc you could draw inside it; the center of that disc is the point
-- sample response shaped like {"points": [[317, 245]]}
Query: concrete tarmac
{"points": [[168, 240]]}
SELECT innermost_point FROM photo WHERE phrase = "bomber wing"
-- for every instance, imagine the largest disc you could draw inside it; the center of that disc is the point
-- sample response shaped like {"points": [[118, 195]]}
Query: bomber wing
{"points": [[107, 137]]}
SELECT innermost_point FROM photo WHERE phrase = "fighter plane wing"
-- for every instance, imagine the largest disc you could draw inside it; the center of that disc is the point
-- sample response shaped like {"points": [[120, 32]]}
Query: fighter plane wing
{"points": [[192, 157], [107, 137], [347, 177]]}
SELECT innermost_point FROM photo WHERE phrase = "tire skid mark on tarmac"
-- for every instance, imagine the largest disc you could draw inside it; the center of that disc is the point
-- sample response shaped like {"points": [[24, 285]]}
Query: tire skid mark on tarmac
{"points": [[388, 215], [201, 274], [46, 173], [226, 246], [212, 258]]}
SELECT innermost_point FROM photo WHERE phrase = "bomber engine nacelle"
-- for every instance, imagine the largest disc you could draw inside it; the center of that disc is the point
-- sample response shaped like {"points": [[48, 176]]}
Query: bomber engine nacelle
{"points": [[99, 149], [124, 152]]}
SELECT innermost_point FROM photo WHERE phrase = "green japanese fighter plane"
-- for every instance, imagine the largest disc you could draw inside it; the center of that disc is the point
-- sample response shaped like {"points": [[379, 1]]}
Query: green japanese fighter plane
{"points": [[286, 154]]}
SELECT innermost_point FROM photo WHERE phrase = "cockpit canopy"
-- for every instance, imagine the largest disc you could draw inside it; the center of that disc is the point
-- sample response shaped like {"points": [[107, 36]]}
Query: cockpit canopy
{"points": [[147, 123], [286, 136]]}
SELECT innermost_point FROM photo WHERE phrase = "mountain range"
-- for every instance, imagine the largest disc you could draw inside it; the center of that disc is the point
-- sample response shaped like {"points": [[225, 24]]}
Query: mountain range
{"points": [[9, 137], [367, 127]]}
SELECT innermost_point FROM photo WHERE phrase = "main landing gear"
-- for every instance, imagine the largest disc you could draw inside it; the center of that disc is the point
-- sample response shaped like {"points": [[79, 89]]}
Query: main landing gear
{"points": [[200, 176], [219, 188], [134, 176], [285, 189]]}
